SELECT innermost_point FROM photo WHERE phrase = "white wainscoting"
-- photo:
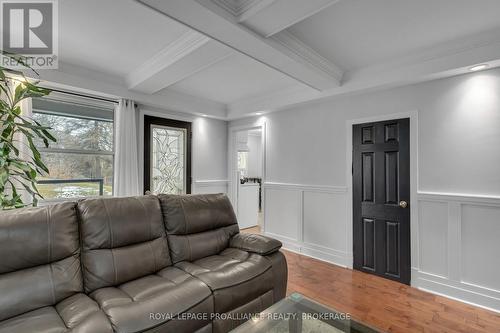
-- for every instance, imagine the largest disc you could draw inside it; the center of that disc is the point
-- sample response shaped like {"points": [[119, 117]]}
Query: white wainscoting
{"points": [[459, 247], [210, 186], [458, 236], [308, 219]]}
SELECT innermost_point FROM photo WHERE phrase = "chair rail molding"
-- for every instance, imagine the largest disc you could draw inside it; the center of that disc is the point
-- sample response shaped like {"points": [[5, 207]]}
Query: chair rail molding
{"points": [[211, 182], [304, 187], [203, 186]]}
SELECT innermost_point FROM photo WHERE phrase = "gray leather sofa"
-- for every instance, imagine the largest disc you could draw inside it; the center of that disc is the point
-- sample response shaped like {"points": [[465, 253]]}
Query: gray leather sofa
{"points": [[162, 263]]}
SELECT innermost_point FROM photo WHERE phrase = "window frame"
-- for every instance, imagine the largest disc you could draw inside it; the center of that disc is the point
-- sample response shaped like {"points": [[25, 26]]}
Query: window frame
{"points": [[74, 151]]}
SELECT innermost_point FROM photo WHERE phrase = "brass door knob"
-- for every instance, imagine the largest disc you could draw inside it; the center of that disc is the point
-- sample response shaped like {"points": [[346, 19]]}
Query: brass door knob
{"points": [[403, 204]]}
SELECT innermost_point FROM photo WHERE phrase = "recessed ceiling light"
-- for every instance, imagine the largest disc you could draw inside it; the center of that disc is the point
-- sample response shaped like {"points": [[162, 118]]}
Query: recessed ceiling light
{"points": [[479, 67], [258, 113], [204, 115]]}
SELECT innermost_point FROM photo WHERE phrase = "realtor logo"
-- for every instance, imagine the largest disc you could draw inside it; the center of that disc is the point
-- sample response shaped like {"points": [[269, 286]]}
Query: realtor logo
{"points": [[29, 28]]}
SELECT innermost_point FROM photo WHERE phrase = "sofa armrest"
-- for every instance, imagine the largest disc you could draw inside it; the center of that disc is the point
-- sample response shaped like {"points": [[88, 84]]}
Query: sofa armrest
{"points": [[255, 243]]}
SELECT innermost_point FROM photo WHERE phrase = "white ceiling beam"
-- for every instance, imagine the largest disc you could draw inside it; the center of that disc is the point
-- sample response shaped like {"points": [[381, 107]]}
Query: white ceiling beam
{"points": [[453, 58], [90, 82], [190, 53], [268, 17], [222, 26]]}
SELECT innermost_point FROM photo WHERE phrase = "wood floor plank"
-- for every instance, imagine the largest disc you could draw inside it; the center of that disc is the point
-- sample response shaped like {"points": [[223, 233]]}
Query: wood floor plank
{"points": [[384, 304], [381, 303]]}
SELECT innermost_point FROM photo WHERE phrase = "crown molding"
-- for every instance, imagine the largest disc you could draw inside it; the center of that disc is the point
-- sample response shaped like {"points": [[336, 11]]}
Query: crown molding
{"points": [[306, 54], [188, 54], [252, 8], [242, 9]]}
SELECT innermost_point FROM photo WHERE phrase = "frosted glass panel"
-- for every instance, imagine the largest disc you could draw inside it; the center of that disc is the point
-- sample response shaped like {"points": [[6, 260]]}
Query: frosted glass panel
{"points": [[168, 160]]}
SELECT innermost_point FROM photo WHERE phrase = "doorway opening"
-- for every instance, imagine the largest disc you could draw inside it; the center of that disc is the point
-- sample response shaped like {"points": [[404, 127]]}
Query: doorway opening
{"points": [[246, 167], [381, 198], [167, 156]]}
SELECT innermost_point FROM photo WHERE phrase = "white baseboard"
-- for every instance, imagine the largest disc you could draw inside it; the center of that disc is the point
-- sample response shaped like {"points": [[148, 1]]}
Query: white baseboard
{"points": [[463, 292], [324, 254]]}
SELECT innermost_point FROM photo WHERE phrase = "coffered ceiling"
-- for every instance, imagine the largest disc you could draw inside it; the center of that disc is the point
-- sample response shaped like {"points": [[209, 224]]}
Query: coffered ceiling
{"points": [[232, 58]]}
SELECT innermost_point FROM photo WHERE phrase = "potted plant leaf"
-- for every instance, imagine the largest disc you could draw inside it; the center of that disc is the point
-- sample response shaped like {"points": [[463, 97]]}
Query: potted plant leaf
{"points": [[20, 160]]}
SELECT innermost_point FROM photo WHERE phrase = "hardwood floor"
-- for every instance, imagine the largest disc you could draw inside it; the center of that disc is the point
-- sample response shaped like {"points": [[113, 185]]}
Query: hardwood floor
{"points": [[252, 230], [384, 304]]}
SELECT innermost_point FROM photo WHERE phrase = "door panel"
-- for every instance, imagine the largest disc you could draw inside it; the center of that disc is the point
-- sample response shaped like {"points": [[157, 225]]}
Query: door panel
{"points": [[167, 156], [381, 181], [369, 244], [367, 180], [391, 177]]}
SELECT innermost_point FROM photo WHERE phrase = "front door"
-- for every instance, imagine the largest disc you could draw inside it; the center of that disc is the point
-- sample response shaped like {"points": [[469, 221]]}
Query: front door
{"points": [[167, 156], [381, 198]]}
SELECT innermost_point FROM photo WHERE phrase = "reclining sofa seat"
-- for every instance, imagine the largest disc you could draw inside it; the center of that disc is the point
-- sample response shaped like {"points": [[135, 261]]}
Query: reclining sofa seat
{"points": [[105, 265], [41, 287], [246, 273], [127, 268]]}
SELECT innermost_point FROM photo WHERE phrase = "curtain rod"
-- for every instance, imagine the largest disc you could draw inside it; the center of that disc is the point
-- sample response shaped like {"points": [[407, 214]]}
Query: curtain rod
{"points": [[83, 95]]}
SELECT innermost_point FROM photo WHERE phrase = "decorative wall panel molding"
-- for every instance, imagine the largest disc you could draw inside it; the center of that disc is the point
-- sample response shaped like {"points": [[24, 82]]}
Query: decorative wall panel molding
{"points": [[457, 236], [458, 247], [308, 219]]}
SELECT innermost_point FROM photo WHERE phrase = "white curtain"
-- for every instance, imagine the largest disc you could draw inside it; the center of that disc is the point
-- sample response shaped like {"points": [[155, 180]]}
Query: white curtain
{"points": [[24, 150], [126, 177]]}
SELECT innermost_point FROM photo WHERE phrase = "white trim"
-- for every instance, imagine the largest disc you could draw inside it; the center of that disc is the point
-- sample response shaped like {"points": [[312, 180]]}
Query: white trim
{"points": [[468, 293], [327, 255], [252, 8], [307, 55], [240, 8], [460, 197], [304, 187], [211, 182], [413, 115]]}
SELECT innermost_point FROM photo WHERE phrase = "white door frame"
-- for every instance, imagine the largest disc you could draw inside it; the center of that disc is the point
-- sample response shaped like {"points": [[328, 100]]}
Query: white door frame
{"points": [[413, 115], [232, 159]]}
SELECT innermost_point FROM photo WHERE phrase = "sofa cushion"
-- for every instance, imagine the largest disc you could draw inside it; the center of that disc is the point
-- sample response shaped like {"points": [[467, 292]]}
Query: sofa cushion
{"points": [[153, 300], [122, 239], [234, 276], [197, 225], [77, 313], [40, 262]]}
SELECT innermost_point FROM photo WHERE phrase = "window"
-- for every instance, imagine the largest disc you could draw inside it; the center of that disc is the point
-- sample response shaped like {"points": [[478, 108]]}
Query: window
{"points": [[81, 161]]}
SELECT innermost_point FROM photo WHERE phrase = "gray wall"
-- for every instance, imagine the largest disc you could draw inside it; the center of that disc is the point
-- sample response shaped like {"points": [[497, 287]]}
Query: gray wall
{"points": [[209, 155], [458, 200]]}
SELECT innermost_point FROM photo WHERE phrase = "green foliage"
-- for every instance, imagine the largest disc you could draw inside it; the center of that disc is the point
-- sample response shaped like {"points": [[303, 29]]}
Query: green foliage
{"points": [[17, 173]]}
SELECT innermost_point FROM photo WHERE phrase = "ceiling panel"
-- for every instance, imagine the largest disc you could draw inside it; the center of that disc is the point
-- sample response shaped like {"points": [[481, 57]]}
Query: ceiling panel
{"points": [[234, 78], [358, 33], [112, 36]]}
